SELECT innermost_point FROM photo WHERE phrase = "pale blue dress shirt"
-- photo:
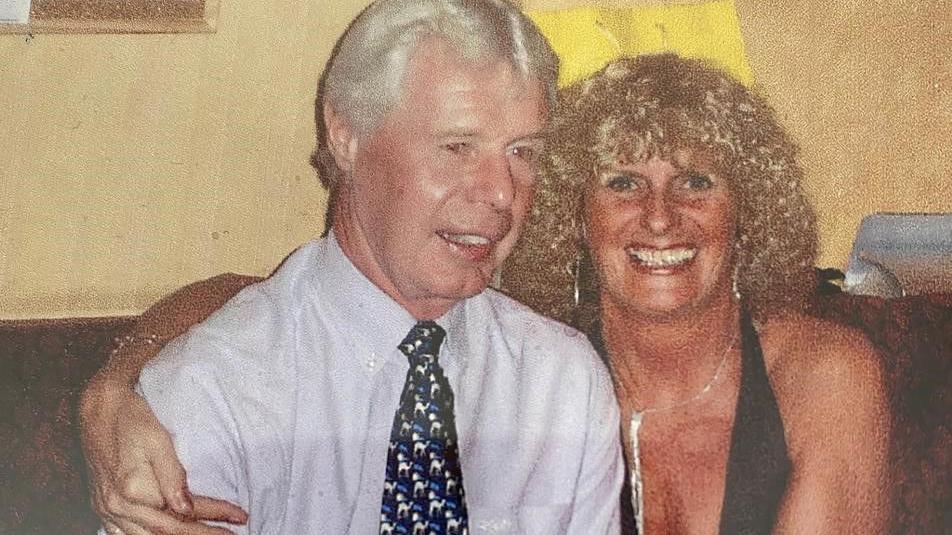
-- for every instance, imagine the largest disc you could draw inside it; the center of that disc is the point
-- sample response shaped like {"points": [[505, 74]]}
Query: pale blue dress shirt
{"points": [[283, 400]]}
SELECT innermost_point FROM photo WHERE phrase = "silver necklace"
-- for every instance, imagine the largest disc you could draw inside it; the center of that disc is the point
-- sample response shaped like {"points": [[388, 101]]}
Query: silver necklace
{"points": [[702, 391], [637, 484]]}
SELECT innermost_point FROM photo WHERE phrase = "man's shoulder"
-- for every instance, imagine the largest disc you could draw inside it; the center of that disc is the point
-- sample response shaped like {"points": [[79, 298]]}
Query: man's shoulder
{"points": [[509, 310], [538, 333], [547, 354], [259, 322], [244, 351], [264, 312]]}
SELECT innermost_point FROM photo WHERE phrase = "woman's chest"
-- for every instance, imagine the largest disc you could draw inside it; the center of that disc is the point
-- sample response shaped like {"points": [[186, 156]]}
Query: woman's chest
{"points": [[683, 468]]}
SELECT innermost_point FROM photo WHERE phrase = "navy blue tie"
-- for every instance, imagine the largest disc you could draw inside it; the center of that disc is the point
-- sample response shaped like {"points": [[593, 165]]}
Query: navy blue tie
{"points": [[423, 491]]}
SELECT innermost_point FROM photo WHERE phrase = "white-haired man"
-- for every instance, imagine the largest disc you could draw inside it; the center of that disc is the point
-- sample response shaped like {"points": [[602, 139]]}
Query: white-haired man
{"points": [[305, 401]]}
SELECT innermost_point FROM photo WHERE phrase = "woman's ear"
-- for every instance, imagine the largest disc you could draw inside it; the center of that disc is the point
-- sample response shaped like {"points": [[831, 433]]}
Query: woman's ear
{"points": [[341, 138]]}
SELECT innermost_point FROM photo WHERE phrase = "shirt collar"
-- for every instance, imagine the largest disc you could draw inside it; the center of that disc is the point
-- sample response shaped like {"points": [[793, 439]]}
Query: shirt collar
{"points": [[373, 317]]}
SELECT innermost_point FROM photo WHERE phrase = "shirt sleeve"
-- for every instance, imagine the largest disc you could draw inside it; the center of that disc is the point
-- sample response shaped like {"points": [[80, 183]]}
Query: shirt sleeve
{"points": [[596, 508], [193, 390]]}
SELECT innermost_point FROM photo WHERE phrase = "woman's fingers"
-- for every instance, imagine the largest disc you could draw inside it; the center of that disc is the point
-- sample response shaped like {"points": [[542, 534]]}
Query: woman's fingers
{"points": [[219, 510]]}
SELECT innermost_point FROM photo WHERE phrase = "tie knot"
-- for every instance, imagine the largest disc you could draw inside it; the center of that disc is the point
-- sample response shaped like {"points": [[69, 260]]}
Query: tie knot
{"points": [[423, 341]]}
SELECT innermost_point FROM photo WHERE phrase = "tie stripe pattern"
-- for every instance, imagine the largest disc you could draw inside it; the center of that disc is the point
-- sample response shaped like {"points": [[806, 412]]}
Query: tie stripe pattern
{"points": [[423, 490]]}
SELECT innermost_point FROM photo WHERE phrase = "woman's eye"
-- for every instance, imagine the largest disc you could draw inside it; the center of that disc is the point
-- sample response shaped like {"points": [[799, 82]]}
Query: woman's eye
{"points": [[698, 182], [620, 182]]}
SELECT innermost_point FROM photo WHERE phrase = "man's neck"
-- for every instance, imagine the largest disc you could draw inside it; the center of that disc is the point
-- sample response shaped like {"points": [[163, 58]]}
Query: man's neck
{"points": [[352, 241]]}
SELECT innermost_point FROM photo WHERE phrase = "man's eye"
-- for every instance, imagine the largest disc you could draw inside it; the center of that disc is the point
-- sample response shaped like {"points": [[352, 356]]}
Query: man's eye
{"points": [[698, 182], [457, 147], [524, 152], [620, 182]]}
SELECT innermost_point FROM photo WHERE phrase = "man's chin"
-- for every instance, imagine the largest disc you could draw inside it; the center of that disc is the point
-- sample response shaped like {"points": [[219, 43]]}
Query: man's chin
{"points": [[465, 287]]}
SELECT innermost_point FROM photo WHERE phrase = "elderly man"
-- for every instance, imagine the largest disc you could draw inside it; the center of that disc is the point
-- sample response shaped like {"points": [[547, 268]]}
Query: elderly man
{"points": [[373, 384]]}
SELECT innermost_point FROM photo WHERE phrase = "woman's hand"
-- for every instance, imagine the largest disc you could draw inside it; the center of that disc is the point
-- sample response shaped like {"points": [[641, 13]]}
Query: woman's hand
{"points": [[138, 484]]}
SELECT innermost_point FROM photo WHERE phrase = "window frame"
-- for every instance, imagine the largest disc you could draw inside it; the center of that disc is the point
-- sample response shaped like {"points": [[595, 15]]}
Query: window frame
{"points": [[118, 16]]}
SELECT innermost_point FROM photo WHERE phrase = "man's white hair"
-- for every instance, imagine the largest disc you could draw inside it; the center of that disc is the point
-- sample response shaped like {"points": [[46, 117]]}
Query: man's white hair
{"points": [[365, 75]]}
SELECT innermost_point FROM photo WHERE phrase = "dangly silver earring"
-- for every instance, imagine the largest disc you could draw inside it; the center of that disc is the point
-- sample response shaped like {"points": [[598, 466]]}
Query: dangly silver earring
{"points": [[575, 285], [738, 252], [577, 271], [572, 269], [734, 286]]}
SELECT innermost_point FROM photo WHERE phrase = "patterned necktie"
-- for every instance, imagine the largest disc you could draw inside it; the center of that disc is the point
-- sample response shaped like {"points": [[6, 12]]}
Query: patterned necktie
{"points": [[423, 491]]}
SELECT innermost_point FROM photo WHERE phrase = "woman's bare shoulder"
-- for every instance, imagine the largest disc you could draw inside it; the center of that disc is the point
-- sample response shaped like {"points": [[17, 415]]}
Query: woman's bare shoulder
{"points": [[828, 378], [800, 346]]}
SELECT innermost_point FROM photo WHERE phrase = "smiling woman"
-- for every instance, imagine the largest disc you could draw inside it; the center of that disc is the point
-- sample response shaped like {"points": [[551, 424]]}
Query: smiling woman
{"points": [[676, 189]]}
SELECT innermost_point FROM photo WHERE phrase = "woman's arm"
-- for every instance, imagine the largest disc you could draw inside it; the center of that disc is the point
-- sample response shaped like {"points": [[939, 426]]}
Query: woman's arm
{"points": [[138, 484], [834, 407]]}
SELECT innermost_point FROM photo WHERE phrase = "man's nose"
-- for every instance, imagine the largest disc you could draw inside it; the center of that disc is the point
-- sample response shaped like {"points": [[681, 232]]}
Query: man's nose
{"points": [[493, 182], [659, 214]]}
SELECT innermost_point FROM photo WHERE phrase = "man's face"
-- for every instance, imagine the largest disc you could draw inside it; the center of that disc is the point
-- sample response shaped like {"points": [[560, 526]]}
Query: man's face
{"points": [[436, 195]]}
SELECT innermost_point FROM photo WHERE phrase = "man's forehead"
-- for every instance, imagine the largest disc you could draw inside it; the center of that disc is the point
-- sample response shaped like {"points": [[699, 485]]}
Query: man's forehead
{"points": [[435, 56], [459, 93]]}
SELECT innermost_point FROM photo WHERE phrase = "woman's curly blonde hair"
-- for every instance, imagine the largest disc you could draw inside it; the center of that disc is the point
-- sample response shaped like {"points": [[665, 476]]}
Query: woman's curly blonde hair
{"points": [[636, 108]]}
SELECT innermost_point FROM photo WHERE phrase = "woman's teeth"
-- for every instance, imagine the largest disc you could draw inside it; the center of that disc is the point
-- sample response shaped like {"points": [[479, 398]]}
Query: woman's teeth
{"points": [[465, 239], [661, 258]]}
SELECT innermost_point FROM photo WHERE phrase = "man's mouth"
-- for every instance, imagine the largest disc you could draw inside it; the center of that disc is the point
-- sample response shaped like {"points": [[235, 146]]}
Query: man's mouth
{"points": [[661, 258], [474, 246]]}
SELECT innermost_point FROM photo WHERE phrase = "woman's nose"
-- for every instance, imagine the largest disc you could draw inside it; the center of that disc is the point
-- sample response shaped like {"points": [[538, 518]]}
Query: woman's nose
{"points": [[659, 214]]}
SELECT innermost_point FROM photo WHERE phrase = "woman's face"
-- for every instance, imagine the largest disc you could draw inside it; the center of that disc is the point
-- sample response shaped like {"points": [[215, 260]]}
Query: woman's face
{"points": [[661, 233]]}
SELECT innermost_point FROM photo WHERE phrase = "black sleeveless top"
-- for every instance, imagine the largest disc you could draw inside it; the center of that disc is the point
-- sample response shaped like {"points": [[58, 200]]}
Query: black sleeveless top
{"points": [[758, 466]]}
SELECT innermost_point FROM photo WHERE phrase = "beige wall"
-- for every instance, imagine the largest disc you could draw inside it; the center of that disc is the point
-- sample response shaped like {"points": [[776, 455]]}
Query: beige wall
{"points": [[134, 164], [866, 87], [137, 163]]}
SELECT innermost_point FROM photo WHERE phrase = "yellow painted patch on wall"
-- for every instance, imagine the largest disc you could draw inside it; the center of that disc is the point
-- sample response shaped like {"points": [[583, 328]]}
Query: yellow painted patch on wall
{"points": [[586, 38]]}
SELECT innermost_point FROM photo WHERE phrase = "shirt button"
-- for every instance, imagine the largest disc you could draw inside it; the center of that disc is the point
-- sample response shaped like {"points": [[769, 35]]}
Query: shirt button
{"points": [[372, 362]]}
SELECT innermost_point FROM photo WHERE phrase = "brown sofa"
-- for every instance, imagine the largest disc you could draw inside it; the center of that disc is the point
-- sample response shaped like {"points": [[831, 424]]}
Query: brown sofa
{"points": [[45, 363], [43, 367]]}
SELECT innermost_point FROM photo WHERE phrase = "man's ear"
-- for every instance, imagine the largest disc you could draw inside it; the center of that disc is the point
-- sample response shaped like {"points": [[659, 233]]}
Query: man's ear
{"points": [[341, 138]]}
